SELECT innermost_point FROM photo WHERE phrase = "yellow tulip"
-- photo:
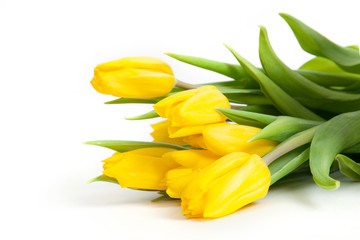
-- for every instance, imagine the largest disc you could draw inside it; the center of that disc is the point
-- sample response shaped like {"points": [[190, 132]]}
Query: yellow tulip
{"points": [[140, 169], [191, 161], [226, 185], [189, 111], [224, 138], [196, 140], [161, 134], [134, 77]]}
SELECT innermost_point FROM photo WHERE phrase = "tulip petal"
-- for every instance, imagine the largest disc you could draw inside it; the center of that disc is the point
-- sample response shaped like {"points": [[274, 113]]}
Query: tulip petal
{"points": [[160, 134], [238, 188], [142, 169], [137, 83], [200, 108], [165, 106], [224, 138], [145, 63]]}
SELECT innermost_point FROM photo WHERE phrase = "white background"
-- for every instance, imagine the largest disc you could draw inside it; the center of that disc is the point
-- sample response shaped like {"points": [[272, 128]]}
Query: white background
{"points": [[48, 50]]}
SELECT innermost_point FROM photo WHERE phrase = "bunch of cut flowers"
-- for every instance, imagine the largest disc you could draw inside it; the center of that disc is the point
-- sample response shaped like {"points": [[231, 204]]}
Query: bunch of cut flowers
{"points": [[220, 146]]}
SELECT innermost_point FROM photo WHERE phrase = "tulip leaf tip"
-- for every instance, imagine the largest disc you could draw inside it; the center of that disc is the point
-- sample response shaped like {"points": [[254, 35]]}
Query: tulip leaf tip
{"points": [[331, 184], [102, 178], [91, 143], [95, 179]]}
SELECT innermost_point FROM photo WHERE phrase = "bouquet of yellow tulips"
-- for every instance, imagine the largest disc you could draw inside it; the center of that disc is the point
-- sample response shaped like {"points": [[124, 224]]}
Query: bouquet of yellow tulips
{"points": [[220, 146]]}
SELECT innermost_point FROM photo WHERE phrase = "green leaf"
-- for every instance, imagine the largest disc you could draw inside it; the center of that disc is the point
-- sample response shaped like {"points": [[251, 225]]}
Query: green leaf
{"points": [[102, 178], [315, 43], [133, 100], [288, 163], [224, 84], [230, 70], [147, 101], [290, 144], [307, 92], [327, 73], [353, 149], [331, 138], [251, 98], [148, 115], [164, 197], [280, 99], [348, 167], [264, 109], [233, 114], [124, 146], [333, 81], [284, 127]]}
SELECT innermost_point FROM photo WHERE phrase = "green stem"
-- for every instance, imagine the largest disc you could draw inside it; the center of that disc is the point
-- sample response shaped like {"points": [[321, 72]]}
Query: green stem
{"points": [[185, 85], [290, 144]]}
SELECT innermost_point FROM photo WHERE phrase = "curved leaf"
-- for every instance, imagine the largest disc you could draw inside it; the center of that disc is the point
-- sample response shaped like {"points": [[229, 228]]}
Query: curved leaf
{"points": [[325, 72], [230, 70], [249, 99], [134, 100], [264, 109], [290, 144], [103, 178], [348, 167], [148, 115], [125, 146], [315, 43], [280, 99], [258, 117], [284, 127], [331, 138], [288, 163], [334, 81], [307, 92]]}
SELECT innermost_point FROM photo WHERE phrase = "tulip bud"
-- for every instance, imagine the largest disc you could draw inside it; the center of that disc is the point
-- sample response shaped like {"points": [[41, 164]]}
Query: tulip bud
{"points": [[226, 185], [134, 77], [189, 111], [161, 134], [140, 169], [191, 161], [224, 138]]}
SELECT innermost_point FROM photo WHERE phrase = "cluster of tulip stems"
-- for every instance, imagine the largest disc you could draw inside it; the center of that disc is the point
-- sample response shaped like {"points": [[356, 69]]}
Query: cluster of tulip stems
{"points": [[218, 157]]}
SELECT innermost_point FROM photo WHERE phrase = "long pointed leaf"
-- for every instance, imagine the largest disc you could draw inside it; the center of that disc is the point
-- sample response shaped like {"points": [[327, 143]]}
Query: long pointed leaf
{"points": [[288, 163], [315, 43], [290, 144], [326, 72], [331, 138], [103, 178], [348, 167], [307, 92], [281, 100], [262, 118], [284, 127], [124, 146], [148, 115], [230, 70], [133, 100]]}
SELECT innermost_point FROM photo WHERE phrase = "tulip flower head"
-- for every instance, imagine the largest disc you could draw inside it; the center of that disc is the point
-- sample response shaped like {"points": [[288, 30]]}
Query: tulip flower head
{"points": [[190, 111], [191, 163], [134, 77], [196, 141], [140, 169], [224, 138], [160, 134], [226, 185]]}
